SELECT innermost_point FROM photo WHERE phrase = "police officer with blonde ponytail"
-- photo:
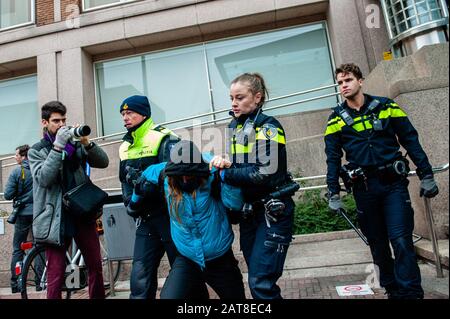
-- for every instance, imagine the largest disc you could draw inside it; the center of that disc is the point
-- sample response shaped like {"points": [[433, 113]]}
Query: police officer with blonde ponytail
{"points": [[257, 163]]}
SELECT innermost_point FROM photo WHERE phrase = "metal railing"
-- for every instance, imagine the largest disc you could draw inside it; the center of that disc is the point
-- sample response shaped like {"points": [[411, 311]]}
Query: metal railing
{"points": [[210, 114], [428, 213]]}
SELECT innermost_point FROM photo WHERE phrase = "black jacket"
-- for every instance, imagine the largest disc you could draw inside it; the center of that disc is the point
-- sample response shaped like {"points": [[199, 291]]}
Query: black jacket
{"points": [[367, 148], [20, 188], [260, 166]]}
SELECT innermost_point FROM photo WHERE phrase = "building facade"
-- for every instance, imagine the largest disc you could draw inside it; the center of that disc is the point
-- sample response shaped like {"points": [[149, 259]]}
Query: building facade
{"points": [[182, 54]]}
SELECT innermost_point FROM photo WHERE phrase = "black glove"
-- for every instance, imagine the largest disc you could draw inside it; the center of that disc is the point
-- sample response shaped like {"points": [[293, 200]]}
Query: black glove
{"points": [[144, 188], [132, 176], [428, 187], [134, 209]]}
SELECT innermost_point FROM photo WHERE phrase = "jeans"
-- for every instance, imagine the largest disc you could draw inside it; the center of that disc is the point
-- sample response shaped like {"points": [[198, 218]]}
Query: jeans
{"points": [[152, 240], [22, 228], [187, 280], [86, 238], [265, 249], [385, 215]]}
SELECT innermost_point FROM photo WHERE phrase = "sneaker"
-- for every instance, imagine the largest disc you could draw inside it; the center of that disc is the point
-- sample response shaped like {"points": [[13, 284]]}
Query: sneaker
{"points": [[38, 288]]}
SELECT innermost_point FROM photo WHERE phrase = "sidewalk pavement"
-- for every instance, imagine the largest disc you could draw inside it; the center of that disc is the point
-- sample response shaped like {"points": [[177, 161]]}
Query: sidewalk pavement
{"points": [[315, 265]]}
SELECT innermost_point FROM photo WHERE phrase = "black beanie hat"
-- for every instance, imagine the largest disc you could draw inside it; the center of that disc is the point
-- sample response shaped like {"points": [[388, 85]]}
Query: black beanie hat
{"points": [[138, 104], [186, 160]]}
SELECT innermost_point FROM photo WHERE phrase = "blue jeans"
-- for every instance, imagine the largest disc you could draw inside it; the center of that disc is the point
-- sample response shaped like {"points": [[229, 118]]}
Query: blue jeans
{"points": [[385, 215], [21, 229], [265, 250], [152, 241]]}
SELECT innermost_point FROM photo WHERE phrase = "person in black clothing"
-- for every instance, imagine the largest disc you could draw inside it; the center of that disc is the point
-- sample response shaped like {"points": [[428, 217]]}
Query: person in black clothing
{"points": [[258, 165], [370, 130], [19, 188]]}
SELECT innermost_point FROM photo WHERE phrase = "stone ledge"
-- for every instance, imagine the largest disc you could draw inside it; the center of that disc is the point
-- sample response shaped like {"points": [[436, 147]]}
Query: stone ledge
{"points": [[426, 69], [345, 234], [424, 249]]}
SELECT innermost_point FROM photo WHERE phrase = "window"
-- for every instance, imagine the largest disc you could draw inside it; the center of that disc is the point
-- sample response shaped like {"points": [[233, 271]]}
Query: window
{"points": [[193, 80], [404, 15], [291, 60], [94, 4], [20, 113], [15, 13]]}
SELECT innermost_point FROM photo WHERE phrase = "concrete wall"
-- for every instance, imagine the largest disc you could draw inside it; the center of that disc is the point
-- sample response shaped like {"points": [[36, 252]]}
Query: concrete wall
{"points": [[420, 84], [358, 32]]}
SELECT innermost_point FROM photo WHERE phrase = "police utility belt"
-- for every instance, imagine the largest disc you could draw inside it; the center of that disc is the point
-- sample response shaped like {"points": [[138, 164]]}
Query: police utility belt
{"points": [[353, 176], [273, 205]]}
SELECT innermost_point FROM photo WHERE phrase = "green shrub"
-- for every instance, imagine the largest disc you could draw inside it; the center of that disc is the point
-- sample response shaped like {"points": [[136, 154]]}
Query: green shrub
{"points": [[312, 214]]}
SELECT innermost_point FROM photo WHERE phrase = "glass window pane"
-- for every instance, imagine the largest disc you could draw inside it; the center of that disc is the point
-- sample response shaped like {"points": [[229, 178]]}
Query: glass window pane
{"points": [[89, 4], [421, 8], [20, 113], [424, 18], [436, 14], [178, 85], [175, 82], [291, 60], [14, 12], [412, 22], [433, 4], [402, 27], [117, 80]]}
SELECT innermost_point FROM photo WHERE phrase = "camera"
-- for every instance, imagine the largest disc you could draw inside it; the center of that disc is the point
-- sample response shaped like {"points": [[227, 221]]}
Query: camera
{"points": [[16, 207], [82, 130]]}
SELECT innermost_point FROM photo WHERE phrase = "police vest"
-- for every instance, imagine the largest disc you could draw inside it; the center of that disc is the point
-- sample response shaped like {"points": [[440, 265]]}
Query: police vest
{"points": [[248, 134], [366, 121], [144, 148]]}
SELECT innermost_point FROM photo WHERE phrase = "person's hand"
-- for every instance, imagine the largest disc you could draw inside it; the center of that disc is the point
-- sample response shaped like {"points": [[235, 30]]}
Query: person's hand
{"points": [[132, 175], [428, 187], [144, 188], [83, 139], [219, 162], [62, 137], [335, 203]]}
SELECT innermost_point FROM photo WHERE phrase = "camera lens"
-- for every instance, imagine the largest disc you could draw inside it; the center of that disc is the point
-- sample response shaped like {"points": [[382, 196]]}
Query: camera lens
{"points": [[82, 130]]}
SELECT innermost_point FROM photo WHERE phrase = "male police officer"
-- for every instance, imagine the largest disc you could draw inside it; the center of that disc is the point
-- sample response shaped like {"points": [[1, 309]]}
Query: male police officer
{"points": [[369, 130], [145, 144]]}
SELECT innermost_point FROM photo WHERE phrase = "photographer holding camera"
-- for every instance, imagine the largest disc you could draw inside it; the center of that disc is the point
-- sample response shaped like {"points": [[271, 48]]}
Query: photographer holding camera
{"points": [[19, 188], [58, 165]]}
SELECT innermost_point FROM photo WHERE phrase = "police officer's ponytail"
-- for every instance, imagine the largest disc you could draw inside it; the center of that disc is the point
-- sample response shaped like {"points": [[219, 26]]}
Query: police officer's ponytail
{"points": [[256, 83]]}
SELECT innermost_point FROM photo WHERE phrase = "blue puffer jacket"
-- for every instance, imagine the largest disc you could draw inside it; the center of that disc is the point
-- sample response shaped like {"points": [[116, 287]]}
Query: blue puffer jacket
{"points": [[204, 232]]}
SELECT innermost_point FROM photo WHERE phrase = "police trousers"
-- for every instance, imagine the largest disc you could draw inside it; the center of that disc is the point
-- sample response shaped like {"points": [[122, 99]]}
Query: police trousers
{"points": [[152, 241], [386, 216], [265, 249]]}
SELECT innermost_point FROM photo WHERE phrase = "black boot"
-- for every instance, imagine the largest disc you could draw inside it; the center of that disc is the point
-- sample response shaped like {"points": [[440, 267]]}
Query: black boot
{"points": [[392, 291]]}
